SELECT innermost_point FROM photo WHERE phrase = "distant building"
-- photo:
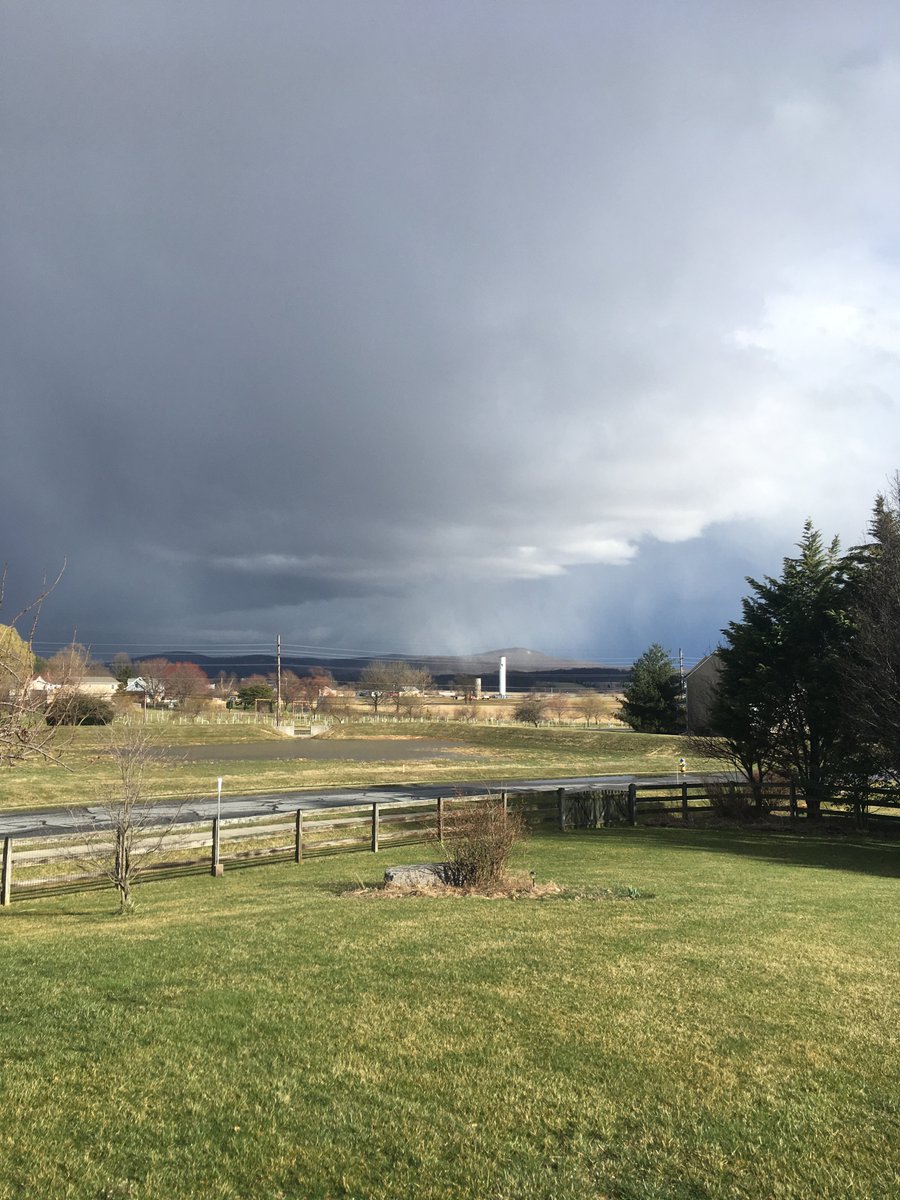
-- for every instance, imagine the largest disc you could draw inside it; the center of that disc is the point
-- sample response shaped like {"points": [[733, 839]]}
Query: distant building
{"points": [[103, 686], [700, 690]]}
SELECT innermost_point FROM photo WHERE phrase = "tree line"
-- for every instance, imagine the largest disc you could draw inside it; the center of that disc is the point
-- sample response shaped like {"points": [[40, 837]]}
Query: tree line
{"points": [[807, 681]]}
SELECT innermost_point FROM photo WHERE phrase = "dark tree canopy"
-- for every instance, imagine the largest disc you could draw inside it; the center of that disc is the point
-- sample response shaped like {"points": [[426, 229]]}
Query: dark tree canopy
{"points": [[871, 667], [779, 702], [651, 703], [254, 688], [530, 710], [79, 708]]}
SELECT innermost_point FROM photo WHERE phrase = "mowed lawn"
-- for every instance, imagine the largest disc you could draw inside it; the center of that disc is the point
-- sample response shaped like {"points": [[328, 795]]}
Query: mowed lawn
{"points": [[264, 1035], [476, 752]]}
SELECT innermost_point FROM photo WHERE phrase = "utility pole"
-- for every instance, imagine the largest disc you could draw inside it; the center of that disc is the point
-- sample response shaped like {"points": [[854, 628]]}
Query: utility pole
{"points": [[278, 678]]}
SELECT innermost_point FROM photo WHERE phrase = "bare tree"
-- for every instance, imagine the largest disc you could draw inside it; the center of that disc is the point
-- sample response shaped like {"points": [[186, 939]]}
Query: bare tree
{"points": [[558, 705], [226, 686], [68, 666], [124, 835], [184, 681], [530, 709], [391, 680], [467, 712], [337, 706], [466, 686], [375, 682], [153, 673], [304, 689], [409, 703], [591, 707], [24, 733]]}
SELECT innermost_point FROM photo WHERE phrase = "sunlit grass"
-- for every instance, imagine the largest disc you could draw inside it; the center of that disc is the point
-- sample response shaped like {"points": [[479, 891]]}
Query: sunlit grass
{"points": [[487, 753], [263, 1035]]}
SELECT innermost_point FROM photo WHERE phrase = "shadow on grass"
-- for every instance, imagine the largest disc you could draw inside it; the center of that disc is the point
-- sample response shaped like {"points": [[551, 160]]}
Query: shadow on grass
{"points": [[836, 852]]}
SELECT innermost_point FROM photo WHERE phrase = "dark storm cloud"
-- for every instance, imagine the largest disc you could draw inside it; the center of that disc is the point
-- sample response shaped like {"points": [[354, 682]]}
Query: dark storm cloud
{"points": [[435, 325]]}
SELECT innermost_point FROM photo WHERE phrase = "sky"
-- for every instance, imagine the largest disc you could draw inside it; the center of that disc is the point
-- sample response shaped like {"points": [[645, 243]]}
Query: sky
{"points": [[430, 327]]}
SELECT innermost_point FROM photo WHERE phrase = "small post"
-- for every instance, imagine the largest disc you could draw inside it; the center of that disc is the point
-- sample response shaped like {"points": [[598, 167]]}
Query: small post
{"points": [[298, 836], [375, 808], [6, 881], [504, 801], [561, 807], [216, 868], [793, 800], [684, 801], [632, 804], [440, 818]]}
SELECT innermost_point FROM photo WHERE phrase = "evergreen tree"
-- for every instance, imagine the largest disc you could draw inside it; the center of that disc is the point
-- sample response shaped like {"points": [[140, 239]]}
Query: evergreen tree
{"points": [[651, 698], [872, 664], [780, 693]]}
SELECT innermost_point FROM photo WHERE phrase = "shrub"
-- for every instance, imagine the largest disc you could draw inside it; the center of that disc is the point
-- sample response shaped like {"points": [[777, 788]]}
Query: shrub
{"points": [[729, 800], [479, 837], [530, 710], [77, 708]]}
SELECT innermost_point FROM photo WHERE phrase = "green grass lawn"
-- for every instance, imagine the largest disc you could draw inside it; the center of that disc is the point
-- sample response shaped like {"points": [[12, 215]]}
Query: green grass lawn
{"points": [[483, 752], [263, 1035]]}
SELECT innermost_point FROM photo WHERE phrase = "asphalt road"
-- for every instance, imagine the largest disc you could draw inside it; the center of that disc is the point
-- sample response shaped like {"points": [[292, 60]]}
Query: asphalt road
{"points": [[52, 821]]}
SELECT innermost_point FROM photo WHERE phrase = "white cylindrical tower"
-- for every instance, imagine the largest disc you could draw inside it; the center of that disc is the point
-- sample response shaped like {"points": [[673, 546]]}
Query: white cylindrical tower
{"points": [[502, 688]]}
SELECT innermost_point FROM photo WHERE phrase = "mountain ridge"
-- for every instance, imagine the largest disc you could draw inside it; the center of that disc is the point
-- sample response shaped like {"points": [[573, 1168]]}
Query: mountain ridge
{"points": [[525, 668]]}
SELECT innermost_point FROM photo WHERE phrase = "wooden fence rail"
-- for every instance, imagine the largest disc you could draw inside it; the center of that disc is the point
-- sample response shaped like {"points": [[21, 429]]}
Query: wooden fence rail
{"points": [[38, 866]]}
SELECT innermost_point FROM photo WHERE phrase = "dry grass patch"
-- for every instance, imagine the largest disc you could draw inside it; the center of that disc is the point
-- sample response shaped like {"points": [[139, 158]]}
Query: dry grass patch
{"points": [[516, 887], [509, 887]]}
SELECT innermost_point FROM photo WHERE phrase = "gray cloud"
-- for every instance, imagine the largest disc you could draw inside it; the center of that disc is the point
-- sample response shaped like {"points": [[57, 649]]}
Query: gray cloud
{"points": [[432, 326]]}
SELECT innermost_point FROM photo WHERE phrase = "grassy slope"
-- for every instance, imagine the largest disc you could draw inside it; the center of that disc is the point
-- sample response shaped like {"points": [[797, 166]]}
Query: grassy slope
{"points": [[485, 752], [262, 1035]]}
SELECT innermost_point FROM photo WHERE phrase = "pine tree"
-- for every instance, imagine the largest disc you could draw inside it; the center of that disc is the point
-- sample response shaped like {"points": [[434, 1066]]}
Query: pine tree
{"points": [[780, 693], [872, 664], [651, 699]]}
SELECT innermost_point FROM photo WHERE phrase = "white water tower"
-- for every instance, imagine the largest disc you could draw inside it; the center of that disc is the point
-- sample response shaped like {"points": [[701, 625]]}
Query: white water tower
{"points": [[502, 688]]}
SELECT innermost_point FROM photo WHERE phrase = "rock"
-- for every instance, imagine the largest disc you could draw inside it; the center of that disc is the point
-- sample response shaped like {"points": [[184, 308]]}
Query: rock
{"points": [[419, 875]]}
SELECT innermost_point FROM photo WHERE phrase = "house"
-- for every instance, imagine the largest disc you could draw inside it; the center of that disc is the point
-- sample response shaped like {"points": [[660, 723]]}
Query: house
{"points": [[104, 687], [700, 689]]}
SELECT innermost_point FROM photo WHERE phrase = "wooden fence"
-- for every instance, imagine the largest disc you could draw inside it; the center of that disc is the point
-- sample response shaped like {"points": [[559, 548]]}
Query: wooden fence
{"points": [[35, 866]]}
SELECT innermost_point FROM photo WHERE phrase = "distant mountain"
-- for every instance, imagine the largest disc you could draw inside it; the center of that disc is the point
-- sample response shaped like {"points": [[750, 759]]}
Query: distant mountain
{"points": [[525, 668], [517, 659]]}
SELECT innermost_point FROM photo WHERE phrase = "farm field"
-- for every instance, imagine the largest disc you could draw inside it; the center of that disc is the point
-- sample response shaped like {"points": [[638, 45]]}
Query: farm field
{"points": [[467, 752], [726, 1035]]}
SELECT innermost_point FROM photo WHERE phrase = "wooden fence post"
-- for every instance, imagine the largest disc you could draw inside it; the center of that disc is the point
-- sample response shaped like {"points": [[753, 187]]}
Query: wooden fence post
{"points": [[6, 881], [504, 801], [561, 807], [684, 801], [375, 808], [440, 818], [298, 836], [216, 867], [632, 804]]}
